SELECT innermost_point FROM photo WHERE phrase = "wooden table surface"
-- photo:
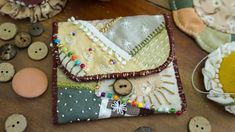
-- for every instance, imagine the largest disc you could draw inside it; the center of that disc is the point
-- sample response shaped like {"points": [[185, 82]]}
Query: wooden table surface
{"points": [[38, 110]]}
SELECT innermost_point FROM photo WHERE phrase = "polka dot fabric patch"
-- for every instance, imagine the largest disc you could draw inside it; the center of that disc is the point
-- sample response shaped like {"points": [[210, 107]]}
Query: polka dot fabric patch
{"points": [[212, 17], [107, 95]]}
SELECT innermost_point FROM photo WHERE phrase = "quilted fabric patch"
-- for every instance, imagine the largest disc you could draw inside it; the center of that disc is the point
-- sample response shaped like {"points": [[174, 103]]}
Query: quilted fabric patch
{"points": [[200, 17], [129, 74]]}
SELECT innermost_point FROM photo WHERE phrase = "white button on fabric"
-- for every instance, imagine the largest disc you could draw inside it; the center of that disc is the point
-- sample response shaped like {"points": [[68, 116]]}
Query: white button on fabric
{"points": [[199, 124], [16, 123]]}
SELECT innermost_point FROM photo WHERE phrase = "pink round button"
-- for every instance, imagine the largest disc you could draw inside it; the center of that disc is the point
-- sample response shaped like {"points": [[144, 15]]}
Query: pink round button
{"points": [[30, 82]]}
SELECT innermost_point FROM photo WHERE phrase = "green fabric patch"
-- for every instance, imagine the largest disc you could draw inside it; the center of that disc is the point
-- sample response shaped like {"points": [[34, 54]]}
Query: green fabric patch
{"points": [[210, 39], [63, 81], [76, 105], [179, 4], [233, 37]]}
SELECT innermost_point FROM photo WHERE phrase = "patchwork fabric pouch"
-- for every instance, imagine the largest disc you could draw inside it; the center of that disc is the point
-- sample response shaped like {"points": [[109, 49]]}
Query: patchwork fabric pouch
{"points": [[115, 68], [210, 22]]}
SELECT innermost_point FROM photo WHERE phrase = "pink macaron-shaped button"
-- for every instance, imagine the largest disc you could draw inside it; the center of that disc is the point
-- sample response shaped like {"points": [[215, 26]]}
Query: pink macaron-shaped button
{"points": [[30, 82]]}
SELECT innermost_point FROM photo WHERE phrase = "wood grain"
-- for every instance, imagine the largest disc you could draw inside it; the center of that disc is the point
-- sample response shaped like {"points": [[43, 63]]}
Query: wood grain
{"points": [[38, 111]]}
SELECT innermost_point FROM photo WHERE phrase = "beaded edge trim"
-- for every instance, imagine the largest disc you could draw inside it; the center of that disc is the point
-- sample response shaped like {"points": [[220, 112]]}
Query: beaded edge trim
{"points": [[123, 74], [56, 64]]}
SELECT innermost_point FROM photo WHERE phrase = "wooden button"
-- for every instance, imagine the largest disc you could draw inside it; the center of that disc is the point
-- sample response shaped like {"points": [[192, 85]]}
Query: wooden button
{"points": [[144, 129], [30, 83], [37, 50], [199, 124], [22, 40], [16, 123], [7, 31], [36, 29], [122, 87], [7, 52], [7, 72]]}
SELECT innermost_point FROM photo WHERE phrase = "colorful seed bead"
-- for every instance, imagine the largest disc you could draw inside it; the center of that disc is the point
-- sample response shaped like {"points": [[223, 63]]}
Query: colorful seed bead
{"points": [[178, 113], [64, 49], [97, 87], [147, 106], [77, 62], [115, 97], [74, 57], [129, 101], [173, 110], [82, 66], [90, 49], [56, 41], [159, 110], [140, 105], [103, 94], [110, 95], [112, 62], [123, 100], [134, 103], [70, 54], [98, 94]]}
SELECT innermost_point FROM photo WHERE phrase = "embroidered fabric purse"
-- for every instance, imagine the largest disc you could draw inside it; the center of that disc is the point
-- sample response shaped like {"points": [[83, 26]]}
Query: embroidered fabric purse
{"points": [[210, 22], [114, 68]]}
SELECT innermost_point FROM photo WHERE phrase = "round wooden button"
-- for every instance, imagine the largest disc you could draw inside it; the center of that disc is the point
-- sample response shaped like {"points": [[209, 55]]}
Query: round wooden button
{"points": [[36, 29], [7, 52], [7, 72], [144, 129], [22, 40], [37, 50], [16, 123], [199, 124], [122, 87], [30, 82], [7, 31]]}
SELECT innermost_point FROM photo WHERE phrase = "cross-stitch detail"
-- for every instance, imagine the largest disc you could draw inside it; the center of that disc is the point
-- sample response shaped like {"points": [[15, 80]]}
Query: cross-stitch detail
{"points": [[218, 14], [109, 24], [157, 31]]}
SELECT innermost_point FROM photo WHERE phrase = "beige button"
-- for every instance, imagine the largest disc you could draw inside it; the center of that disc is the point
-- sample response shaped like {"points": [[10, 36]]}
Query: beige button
{"points": [[7, 31], [37, 50], [16, 123], [122, 87], [199, 124], [30, 82], [7, 72], [23, 40]]}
